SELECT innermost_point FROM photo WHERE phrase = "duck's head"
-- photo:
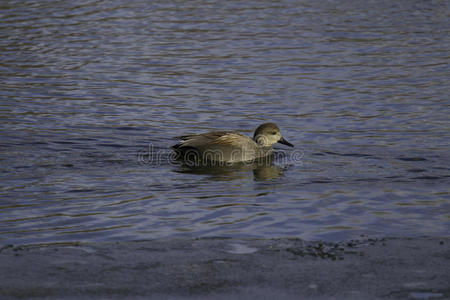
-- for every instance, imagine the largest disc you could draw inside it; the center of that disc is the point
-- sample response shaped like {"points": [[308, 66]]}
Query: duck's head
{"points": [[268, 134]]}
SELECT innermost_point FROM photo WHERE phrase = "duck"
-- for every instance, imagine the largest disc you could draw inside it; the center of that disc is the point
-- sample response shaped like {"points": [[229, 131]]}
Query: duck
{"points": [[229, 146]]}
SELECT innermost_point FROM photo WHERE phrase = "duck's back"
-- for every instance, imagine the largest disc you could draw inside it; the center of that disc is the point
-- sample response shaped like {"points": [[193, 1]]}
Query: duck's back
{"points": [[222, 146], [199, 140]]}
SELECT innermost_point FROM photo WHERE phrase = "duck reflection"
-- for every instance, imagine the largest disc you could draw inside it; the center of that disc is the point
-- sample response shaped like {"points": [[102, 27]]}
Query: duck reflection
{"points": [[260, 170]]}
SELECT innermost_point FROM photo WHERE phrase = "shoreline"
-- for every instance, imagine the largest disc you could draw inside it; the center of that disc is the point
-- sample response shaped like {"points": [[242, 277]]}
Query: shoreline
{"points": [[224, 268]]}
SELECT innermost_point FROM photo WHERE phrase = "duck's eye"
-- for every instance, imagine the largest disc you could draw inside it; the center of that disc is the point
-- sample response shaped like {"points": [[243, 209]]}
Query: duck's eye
{"points": [[273, 132]]}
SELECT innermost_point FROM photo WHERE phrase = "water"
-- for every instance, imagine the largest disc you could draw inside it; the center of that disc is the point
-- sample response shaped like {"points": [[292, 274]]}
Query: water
{"points": [[91, 93]]}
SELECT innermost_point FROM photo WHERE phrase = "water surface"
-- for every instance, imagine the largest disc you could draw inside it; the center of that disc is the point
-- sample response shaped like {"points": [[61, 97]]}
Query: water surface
{"points": [[91, 93]]}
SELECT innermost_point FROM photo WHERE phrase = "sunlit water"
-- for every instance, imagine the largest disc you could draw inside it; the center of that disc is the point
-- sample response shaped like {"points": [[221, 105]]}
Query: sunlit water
{"points": [[92, 93]]}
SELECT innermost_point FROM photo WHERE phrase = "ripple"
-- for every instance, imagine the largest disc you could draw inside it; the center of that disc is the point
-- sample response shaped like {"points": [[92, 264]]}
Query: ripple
{"points": [[92, 93]]}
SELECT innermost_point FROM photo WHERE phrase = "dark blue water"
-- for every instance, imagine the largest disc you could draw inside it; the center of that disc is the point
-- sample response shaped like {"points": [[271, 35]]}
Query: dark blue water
{"points": [[91, 93]]}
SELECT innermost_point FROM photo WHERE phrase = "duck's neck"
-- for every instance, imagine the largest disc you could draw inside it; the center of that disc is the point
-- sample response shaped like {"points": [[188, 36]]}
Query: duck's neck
{"points": [[261, 144]]}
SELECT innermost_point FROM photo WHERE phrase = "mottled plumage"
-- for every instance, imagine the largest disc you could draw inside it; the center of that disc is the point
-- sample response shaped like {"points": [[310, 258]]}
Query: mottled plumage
{"points": [[229, 146]]}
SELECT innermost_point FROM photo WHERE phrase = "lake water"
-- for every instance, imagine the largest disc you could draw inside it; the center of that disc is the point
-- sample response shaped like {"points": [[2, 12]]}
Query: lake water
{"points": [[92, 92]]}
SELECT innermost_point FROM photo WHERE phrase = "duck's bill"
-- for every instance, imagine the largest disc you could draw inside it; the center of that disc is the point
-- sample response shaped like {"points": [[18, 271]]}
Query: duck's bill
{"points": [[284, 142]]}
